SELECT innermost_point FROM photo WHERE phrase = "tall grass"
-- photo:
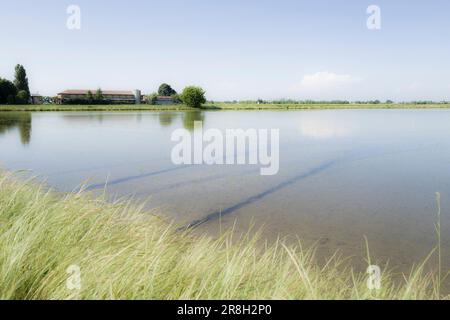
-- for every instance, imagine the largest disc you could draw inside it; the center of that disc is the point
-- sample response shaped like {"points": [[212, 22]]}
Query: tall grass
{"points": [[124, 252]]}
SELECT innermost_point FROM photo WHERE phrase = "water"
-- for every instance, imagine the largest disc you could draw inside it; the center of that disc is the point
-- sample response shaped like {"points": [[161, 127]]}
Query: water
{"points": [[344, 174]]}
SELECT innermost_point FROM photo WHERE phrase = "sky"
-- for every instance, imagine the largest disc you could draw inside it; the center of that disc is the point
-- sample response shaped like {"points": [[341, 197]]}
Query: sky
{"points": [[235, 50]]}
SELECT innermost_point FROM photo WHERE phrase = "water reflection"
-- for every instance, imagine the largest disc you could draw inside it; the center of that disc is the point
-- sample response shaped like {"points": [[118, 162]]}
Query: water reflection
{"points": [[190, 117], [20, 121], [344, 174], [166, 118]]}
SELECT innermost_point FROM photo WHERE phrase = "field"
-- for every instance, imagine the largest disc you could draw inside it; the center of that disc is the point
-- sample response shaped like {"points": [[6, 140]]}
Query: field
{"points": [[287, 106], [218, 106], [49, 241]]}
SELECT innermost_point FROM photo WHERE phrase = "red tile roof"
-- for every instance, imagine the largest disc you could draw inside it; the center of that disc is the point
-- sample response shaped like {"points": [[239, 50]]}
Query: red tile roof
{"points": [[167, 98]]}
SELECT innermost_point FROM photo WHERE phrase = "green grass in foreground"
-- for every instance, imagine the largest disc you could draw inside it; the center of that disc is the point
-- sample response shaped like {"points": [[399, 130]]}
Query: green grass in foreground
{"points": [[126, 253], [217, 106]]}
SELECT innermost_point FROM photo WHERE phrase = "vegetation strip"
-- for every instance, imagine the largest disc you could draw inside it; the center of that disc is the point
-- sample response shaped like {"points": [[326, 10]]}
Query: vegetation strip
{"points": [[214, 107]]}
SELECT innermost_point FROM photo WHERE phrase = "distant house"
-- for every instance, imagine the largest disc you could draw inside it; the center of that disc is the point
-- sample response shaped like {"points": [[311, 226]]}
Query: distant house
{"points": [[162, 100], [125, 97], [36, 99]]}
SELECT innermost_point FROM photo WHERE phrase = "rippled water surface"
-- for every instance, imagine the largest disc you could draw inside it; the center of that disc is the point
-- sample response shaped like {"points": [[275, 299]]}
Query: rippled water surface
{"points": [[344, 174]]}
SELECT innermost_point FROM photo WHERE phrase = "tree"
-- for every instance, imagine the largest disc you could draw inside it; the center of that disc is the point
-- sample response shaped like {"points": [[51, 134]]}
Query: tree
{"points": [[8, 91], [22, 97], [11, 99], [152, 98], [193, 96], [21, 81], [90, 96], [99, 95], [166, 90], [176, 98]]}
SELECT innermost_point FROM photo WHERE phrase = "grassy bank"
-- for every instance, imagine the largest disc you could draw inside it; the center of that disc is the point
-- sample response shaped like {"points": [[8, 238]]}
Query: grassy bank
{"points": [[126, 253], [287, 106], [114, 107], [217, 106]]}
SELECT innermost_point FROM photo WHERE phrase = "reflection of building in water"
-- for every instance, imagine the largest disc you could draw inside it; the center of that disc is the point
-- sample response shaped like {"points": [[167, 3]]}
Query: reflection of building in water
{"points": [[165, 118], [20, 121], [100, 117]]}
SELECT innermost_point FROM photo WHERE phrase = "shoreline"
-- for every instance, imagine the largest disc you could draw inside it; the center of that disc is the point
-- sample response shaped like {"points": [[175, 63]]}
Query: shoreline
{"points": [[220, 107], [123, 252]]}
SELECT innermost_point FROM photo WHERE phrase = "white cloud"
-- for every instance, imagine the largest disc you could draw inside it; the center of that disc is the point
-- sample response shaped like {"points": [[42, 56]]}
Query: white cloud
{"points": [[327, 79], [325, 126], [326, 85]]}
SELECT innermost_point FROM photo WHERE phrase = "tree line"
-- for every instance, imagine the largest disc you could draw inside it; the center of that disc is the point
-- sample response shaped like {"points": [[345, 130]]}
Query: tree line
{"points": [[191, 96], [339, 102], [17, 92]]}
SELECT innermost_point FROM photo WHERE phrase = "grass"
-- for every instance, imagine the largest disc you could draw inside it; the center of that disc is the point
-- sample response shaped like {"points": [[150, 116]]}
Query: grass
{"points": [[124, 252], [287, 106], [217, 106], [114, 107]]}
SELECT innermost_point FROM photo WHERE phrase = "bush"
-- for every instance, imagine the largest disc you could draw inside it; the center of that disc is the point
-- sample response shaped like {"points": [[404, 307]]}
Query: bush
{"points": [[152, 98], [11, 99], [193, 97], [8, 91], [22, 97], [176, 98]]}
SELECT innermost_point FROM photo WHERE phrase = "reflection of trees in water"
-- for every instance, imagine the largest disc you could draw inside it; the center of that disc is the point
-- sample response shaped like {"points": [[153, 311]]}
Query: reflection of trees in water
{"points": [[166, 118], [21, 121], [190, 117]]}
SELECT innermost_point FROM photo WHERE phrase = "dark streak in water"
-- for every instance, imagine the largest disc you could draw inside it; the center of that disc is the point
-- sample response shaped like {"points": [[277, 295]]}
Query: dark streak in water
{"points": [[216, 215], [141, 176], [200, 180], [348, 158], [135, 177]]}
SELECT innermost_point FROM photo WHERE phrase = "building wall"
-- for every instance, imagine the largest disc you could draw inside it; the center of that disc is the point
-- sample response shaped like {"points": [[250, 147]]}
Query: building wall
{"points": [[164, 102], [37, 100], [113, 98]]}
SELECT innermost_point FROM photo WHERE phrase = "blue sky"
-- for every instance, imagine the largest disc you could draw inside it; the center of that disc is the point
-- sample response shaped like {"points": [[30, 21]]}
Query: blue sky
{"points": [[243, 49]]}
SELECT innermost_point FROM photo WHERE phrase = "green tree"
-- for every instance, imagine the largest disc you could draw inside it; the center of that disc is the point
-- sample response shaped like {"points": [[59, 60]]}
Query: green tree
{"points": [[90, 96], [166, 90], [193, 96], [99, 95], [176, 98], [11, 99], [152, 98], [8, 91], [22, 97], [21, 81]]}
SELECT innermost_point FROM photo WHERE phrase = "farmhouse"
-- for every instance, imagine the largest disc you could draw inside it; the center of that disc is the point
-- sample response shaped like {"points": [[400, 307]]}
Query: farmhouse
{"points": [[36, 99], [162, 100], [128, 97]]}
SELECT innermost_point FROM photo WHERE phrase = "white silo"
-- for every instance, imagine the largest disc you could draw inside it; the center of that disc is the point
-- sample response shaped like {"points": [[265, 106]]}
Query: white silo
{"points": [[137, 96]]}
